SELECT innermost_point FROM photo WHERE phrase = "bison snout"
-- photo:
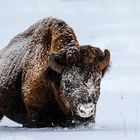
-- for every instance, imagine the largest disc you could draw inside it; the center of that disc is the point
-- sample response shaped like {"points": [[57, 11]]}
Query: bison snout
{"points": [[86, 110]]}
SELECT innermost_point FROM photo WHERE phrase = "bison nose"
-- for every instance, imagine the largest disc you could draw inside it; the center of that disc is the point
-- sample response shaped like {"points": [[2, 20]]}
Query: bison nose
{"points": [[86, 110]]}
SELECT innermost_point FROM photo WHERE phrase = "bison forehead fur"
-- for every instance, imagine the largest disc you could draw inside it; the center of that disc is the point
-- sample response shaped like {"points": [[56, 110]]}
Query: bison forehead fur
{"points": [[38, 90]]}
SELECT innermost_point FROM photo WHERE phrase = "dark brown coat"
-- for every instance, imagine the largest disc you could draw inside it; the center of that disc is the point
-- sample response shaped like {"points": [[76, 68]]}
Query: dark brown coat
{"points": [[30, 74], [24, 91]]}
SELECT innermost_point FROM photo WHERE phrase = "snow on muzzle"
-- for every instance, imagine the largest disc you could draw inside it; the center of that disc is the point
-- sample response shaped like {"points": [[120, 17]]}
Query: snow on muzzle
{"points": [[85, 110]]}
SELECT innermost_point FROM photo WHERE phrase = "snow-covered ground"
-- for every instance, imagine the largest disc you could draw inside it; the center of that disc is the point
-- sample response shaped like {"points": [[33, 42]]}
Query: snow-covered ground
{"points": [[112, 24]]}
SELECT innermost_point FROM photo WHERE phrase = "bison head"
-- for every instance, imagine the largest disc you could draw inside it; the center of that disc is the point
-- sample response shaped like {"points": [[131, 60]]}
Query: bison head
{"points": [[77, 86]]}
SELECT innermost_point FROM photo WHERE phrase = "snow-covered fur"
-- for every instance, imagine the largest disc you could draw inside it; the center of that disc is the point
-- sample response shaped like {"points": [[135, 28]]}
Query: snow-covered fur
{"points": [[31, 92]]}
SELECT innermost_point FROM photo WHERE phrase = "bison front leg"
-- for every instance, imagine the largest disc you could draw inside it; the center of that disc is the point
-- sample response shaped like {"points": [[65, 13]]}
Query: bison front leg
{"points": [[33, 118], [35, 100]]}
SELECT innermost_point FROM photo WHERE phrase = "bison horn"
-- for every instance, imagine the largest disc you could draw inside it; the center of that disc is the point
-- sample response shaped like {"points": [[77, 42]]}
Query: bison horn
{"points": [[105, 61], [54, 65]]}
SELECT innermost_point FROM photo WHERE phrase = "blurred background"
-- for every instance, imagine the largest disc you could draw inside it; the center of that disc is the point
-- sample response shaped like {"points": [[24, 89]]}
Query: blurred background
{"points": [[111, 24]]}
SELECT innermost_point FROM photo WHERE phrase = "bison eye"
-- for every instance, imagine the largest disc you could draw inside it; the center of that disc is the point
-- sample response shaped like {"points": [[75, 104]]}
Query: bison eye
{"points": [[97, 83], [69, 86]]}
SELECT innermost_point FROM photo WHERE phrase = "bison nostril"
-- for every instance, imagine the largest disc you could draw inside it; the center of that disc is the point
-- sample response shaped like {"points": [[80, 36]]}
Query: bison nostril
{"points": [[91, 111], [82, 111]]}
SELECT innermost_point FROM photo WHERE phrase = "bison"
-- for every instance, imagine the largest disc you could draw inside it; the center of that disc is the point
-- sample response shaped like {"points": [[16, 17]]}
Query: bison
{"points": [[47, 79]]}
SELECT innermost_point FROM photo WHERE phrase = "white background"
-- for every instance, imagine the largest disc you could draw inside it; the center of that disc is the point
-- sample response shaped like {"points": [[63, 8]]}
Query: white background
{"points": [[111, 24]]}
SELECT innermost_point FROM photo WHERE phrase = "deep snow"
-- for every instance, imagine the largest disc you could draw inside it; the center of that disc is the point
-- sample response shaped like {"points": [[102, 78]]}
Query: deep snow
{"points": [[112, 24]]}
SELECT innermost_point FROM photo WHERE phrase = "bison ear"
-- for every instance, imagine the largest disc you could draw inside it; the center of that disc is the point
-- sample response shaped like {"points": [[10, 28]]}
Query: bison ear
{"points": [[52, 75], [54, 70], [54, 65], [104, 63]]}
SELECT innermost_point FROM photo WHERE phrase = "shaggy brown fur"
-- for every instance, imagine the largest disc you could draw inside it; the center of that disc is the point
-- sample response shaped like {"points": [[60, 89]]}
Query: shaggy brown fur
{"points": [[23, 88], [26, 96]]}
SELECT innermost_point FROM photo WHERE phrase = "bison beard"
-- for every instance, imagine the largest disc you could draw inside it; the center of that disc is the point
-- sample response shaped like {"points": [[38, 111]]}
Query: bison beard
{"points": [[33, 90]]}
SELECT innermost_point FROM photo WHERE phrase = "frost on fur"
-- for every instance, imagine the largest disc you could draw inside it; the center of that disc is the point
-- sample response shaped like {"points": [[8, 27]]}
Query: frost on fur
{"points": [[48, 79]]}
